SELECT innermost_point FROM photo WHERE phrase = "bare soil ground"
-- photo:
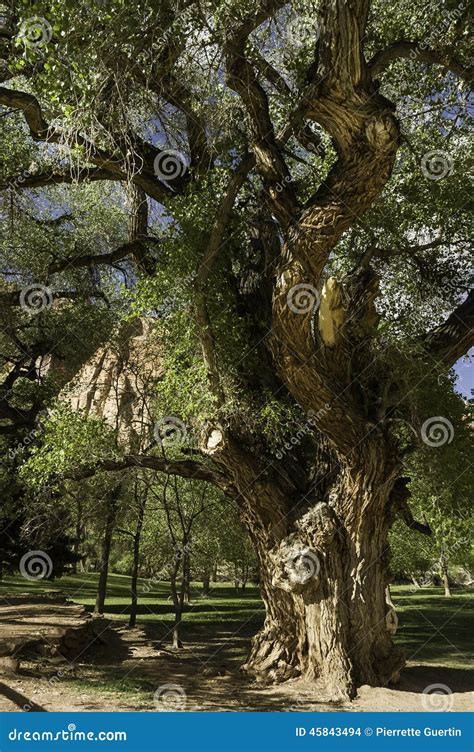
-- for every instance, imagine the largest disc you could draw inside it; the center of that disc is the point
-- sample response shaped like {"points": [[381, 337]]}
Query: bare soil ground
{"points": [[133, 671]]}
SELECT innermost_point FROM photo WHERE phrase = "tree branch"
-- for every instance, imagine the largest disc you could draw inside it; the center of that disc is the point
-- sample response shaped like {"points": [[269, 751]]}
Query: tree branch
{"points": [[451, 340], [242, 78], [93, 259], [399, 501], [41, 131], [12, 298], [420, 52], [341, 64], [366, 136], [189, 469], [43, 179], [205, 332]]}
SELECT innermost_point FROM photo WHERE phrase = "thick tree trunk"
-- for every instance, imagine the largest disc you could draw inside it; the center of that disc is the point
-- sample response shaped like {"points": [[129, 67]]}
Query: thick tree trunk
{"points": [[323, 584]]}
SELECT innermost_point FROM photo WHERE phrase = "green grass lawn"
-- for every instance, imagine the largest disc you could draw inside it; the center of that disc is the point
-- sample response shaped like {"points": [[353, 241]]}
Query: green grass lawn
{"points": [[223, 604], [434, 629]]}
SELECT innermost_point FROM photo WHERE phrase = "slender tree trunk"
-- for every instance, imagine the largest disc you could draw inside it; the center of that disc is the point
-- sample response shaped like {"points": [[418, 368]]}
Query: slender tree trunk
{"points": [[186, 578], [177, 629], [78, 536], [177, 644], [178, 598], [446, 585], [135, 565], [105, 550], [206, 581], [245, 576]]}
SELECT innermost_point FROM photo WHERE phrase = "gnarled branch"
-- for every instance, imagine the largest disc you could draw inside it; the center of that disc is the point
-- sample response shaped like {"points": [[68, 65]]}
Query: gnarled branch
{"points": [[399, 500], [418, 51], [94, 259], [43, 179], [189, 469], [242, 78], [452, 339], [366, 136], [40, 130]]}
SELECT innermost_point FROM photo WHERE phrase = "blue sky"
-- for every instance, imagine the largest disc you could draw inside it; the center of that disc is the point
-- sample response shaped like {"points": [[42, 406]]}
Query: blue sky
{"points": [[465, 374]]}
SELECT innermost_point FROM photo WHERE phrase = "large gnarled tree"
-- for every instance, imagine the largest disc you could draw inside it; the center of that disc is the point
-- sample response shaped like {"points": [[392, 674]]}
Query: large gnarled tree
{"points": [[287, 113]]}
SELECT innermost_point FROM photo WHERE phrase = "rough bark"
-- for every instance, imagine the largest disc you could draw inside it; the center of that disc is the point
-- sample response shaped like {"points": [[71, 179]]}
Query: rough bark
{"points": [[333, 627], [323, 566]]}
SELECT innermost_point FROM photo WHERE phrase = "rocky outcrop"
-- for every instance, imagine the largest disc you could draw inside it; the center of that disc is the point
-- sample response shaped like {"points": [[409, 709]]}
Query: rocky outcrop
{"points": [[116, 384]]}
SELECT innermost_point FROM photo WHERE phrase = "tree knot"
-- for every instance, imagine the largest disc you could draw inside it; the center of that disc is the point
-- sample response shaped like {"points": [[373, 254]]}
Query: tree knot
{"points": [[296, 566]]}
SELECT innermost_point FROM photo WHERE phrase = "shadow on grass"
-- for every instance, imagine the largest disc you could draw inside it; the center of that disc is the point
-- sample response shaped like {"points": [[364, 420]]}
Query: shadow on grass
{"points": [[418, 678]]}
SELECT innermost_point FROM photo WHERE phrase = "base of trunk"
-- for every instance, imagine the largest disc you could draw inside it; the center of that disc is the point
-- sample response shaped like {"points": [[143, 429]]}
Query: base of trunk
{"points": [[327, 616], [272, 661]]}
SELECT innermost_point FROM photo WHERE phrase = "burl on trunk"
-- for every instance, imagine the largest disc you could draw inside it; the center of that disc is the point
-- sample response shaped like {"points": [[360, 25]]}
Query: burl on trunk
{"points": [[324, 589]]}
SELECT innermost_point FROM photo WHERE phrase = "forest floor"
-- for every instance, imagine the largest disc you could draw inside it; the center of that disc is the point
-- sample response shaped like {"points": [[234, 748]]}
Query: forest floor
{"points": [[138, 670]]}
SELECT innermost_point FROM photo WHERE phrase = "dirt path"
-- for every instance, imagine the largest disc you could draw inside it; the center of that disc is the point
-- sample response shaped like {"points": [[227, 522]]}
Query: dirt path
{"points": [[140, 674]]}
